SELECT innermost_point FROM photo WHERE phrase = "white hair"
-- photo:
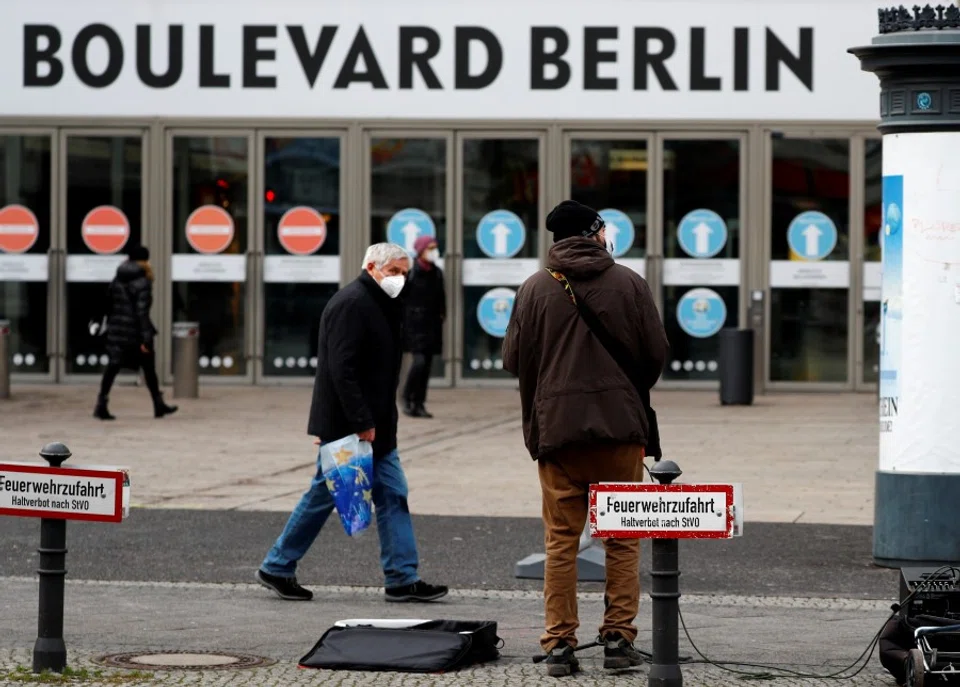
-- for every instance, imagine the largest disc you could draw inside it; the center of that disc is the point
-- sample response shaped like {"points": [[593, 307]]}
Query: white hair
{"points": [[382, 253]]}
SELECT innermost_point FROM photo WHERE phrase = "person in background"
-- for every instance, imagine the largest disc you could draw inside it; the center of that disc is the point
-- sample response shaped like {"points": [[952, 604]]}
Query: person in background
{"points": [[355, 392], [584, 416], [425, 307], [130, 333]]}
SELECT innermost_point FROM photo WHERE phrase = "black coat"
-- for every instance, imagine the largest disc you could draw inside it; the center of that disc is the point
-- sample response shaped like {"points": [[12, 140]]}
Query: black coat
{"points": [[425, 306], [358, 366], [129, 298]]}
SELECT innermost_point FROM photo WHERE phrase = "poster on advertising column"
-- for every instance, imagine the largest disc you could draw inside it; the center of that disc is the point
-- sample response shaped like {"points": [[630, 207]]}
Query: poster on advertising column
{"points": [[891, 303]]}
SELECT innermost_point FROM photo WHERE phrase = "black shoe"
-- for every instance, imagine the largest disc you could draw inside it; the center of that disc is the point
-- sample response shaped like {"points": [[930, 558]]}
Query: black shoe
{"points": [[618, 653], [410, 410], [422, 412], [561, 661], [418, 591], [101, 412], [284, 587], [160, 408]]}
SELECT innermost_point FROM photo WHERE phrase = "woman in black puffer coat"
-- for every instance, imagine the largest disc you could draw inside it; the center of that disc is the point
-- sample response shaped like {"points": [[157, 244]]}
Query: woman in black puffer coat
{"points": [[130, 333], [425, 308]]}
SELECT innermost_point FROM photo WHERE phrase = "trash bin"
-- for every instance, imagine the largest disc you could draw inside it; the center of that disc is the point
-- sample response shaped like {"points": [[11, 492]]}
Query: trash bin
{"points": [[186, 367], [4, 359], [736, 367]]}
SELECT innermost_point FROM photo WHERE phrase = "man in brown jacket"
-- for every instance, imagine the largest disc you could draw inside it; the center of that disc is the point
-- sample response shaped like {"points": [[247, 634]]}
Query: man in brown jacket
{"points": [[583, 418]]}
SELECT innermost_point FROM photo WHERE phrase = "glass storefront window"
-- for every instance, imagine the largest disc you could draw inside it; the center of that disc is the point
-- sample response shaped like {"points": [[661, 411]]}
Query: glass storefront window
{"points": [[701, 244], [810, 269], [25, 186], [210, 216], [872, 213], [500, 182], [104, 216], [302, 239]]}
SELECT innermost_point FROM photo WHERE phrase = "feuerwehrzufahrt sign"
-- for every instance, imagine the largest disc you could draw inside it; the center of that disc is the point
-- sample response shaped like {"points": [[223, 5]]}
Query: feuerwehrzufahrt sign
{"points": [[89, 492], [666, 511]]}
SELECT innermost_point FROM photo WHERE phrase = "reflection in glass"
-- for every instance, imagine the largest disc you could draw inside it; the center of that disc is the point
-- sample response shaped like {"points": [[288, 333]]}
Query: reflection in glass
{"points": [[25, 177], [809, 326], [408, 173], [101, 170], [871, 341], [613, 174], [298, 172], [497, 175], [212, 171]]}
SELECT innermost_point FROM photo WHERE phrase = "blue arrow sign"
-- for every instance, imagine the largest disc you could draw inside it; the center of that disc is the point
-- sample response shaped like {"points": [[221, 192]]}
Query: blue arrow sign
{"points": [[812, 235], [702, 233], [619, 230], [405, 227], [701, 313], [493, 311], [501, 234]]}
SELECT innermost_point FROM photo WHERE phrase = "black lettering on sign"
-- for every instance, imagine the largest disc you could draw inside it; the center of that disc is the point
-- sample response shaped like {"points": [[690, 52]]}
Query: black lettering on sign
{"points": [[540, 58], [208, 77], [801, 65], [311, 61], [34, 55], [254, 54], [593, 56], [643, 59], [350, 73], [741, 59], [699, 81], [463, 79], [410, 58], [81, 47], [174, 57]]}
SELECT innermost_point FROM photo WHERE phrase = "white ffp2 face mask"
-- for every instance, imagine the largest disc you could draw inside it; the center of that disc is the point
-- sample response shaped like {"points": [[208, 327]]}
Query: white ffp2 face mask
{"points": [[610, 246], [392, 286], [432, 255]]}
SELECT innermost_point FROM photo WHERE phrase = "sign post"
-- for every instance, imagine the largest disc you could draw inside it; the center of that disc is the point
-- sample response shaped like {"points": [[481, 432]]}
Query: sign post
{"points": [[665, 512], [56, 494]]}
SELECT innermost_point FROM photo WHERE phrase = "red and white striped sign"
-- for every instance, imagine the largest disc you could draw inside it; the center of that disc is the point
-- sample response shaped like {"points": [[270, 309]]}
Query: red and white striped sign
{"points": [[302, 230], [209, 229], [19, 229], [105, 230]]}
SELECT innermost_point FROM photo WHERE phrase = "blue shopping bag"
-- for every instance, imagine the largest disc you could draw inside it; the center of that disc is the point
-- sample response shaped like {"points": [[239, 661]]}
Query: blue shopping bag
{"points": [[347, 466]]}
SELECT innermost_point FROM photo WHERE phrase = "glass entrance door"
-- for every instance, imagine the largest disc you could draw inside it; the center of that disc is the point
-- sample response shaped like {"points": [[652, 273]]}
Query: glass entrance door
{"points": [[301, 213], [102, 216], [27, 279], [208, 215], [868, 365], [499, 213]]}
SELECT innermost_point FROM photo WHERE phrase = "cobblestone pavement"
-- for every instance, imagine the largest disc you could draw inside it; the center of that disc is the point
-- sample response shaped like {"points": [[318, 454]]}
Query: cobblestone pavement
{"points": [[801, 457]]}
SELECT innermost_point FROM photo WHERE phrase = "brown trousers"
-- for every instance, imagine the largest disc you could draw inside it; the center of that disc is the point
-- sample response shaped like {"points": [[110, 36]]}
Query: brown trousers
{"points": [[565, 479]]}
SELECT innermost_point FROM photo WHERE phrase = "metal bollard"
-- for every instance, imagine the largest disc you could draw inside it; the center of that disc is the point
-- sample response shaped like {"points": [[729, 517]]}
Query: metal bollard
{"points": [[665, 595], [50, 651], [186, 351], [4, 359]]}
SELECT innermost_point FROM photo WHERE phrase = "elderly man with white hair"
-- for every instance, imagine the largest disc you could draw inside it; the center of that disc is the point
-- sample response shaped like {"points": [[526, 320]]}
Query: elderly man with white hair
{"points": [[355, 390]]}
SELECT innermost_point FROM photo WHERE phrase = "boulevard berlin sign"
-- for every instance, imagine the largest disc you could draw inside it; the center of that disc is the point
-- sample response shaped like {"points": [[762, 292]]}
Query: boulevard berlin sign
{"points": [[93, 493]]}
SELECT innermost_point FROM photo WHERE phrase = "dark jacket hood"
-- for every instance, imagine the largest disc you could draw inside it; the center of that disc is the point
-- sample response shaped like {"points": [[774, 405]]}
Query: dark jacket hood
{"points": [[129, 271], [579, 258]]}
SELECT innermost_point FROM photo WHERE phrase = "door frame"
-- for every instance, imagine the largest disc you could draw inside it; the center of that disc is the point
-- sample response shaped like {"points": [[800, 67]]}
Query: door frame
{"points": [[149, 234], [165, 249], [54, 271], [858, 148], [855, 248], [544, 165]]}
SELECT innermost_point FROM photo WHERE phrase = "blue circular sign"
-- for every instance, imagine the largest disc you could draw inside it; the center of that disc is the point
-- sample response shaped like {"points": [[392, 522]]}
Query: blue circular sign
{"points": [[701, 313], [620, 231], [493, 311], [405, 227], [812, 235], [501, 234], [892, 219], [702, 233]]}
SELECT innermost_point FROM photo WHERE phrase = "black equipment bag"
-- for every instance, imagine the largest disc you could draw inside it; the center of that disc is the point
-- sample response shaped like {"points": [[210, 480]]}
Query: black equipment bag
{"points": [[430, 646]]}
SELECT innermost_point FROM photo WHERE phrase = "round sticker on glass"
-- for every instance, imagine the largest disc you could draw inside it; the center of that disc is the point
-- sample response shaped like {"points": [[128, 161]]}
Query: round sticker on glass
{"points": [[701, 313], [501, 234], [19, 229], [302, 230], [812, 235], [406, 226], [702, 233], [493, 311], [620, 231]]}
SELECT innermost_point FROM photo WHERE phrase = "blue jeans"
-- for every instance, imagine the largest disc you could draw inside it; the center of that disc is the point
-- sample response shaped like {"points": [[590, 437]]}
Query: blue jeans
{"points": [[398, 549]]}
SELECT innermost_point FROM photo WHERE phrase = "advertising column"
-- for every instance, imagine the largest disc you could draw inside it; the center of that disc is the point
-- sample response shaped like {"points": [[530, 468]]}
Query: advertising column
{"points": [[917, 515]]}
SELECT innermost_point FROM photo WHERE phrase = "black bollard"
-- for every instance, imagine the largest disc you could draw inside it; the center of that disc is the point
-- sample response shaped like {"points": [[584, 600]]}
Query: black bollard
{"points": [[50, 651], [665, 595]]}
